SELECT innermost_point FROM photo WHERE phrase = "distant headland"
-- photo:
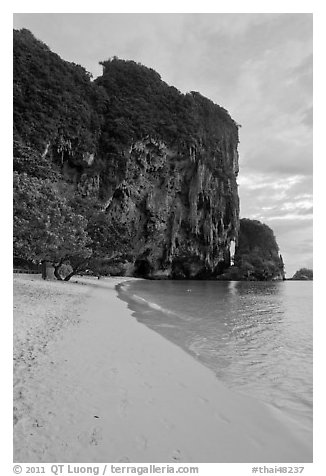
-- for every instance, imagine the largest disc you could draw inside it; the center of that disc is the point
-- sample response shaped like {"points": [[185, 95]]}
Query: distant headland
{"points": [[303, 274]]}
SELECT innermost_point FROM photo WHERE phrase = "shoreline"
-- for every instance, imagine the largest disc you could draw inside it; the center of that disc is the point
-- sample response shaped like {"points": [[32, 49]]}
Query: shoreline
{"points": [[150, 310], [104, 387]]}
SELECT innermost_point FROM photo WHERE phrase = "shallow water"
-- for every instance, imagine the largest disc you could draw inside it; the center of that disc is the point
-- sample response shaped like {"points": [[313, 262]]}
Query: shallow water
{"points": [[256, 336]]}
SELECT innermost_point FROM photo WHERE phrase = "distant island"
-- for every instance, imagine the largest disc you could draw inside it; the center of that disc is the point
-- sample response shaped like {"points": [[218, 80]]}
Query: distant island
{"points": [[126, 175], [303, 274]]}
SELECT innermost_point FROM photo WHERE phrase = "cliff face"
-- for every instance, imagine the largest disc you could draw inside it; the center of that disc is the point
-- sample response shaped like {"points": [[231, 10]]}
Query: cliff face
{"points": [[177, 190], [181, 207], [159, 163]]}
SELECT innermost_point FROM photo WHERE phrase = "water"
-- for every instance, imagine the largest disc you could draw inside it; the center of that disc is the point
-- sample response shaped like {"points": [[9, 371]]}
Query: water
{"points": [[255, 336]]}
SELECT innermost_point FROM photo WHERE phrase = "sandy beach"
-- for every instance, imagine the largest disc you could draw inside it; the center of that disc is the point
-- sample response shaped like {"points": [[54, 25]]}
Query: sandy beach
{"points": [[91, 384]]}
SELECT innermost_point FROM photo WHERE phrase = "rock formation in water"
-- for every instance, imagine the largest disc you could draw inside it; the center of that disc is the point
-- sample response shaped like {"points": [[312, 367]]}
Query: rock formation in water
{"points": [[303, 274], [159, 163], [257, 256]]}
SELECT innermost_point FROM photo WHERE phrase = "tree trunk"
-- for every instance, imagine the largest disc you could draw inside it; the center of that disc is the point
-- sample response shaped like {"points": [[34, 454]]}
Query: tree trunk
{"points": [[82, 265], [70, 275], [44, 269], [56, 272], [47, 270]]}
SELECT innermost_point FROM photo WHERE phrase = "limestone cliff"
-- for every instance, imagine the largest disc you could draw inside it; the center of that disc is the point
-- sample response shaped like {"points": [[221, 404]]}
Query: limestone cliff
{"points": [[174, 185], [160, 163], [181, 207]]}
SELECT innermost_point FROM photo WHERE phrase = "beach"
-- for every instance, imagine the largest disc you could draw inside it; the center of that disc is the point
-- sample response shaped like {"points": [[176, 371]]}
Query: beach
{"points": [[92, 384]]}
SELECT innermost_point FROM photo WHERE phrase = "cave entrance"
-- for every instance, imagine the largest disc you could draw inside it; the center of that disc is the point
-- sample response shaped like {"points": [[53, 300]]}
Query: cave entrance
{"points": [[180, 270], [142, 268], [221, 267]]}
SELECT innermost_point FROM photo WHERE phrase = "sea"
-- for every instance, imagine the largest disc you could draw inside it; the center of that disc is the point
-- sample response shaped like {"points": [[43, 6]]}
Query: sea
{"points": [[257, 337]]}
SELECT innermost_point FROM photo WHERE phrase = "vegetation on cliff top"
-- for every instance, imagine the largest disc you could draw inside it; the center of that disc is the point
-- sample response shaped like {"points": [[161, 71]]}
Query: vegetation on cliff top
{"points": [[141, 104], [257, 254], [54, 100], [303, 274]]}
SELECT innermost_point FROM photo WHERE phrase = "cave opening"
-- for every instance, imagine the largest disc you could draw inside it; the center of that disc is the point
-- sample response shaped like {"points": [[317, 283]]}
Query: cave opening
{"points": [[142, 269], [221, 267]]}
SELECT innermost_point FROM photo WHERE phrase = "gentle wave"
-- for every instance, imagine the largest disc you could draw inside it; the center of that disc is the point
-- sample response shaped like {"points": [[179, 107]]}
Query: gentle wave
{"points": [[149, 304], [256, 337]]}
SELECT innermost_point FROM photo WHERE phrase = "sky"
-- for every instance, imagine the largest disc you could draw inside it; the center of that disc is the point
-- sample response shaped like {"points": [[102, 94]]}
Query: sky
{"points": [[258, 66]]}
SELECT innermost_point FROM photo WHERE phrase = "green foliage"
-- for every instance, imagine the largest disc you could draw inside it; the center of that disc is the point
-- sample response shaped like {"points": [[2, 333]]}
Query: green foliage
{"points": [[54, 101], [141, 104], [58, 109], [257, 254], [303, 274], [109, 240], [45, 226], [28, 160]]}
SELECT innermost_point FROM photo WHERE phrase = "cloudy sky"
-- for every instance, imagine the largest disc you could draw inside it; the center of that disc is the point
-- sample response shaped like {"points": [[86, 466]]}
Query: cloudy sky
{"points": [[258, 66]]}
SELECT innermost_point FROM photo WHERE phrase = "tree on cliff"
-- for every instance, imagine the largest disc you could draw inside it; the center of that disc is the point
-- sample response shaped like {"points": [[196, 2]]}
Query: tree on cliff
{"points": [[257, 253], [55, 94], [45, 226], [141, 104]]}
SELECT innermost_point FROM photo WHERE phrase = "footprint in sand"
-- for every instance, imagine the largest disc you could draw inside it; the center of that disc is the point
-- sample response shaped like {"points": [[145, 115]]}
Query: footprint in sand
{"points": [[114, 371], [37, 423], [142, 442], [96, 437], [203, 399], [123, 404], [124, 459], [150, 401], [176, 456], [93, 437], [169, 425], [219, 416]]}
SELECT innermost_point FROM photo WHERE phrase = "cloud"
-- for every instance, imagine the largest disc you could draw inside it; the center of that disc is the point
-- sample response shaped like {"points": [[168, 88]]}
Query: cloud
{"points": [[295, 241], [284, 203], [267, 198]]}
